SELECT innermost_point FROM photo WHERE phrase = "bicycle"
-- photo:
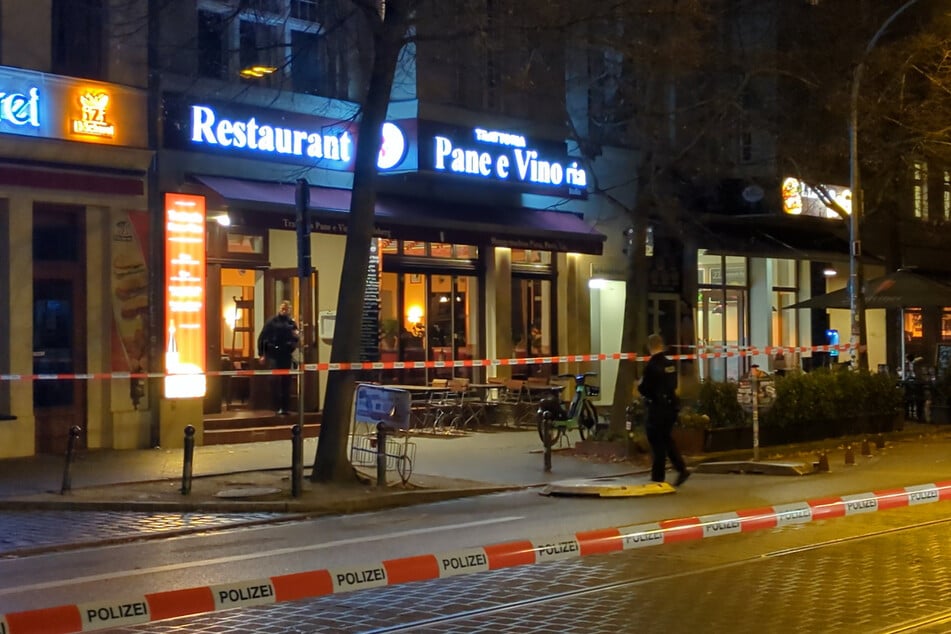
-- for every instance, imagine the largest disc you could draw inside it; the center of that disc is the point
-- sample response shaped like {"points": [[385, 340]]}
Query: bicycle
{"points": [[579, 414]]}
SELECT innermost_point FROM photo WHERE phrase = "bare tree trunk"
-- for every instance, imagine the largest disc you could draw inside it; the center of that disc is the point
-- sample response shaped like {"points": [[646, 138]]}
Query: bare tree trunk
{"points": [[330, 462], [634, 330]]}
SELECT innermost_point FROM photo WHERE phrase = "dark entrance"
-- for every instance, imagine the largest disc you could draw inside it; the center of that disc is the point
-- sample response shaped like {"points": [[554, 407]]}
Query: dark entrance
{"points": [[59, 324]]}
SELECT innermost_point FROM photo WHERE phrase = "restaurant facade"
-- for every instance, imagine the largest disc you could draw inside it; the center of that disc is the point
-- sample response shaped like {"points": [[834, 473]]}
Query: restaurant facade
{"points": [[483, 239], [73, 264]]}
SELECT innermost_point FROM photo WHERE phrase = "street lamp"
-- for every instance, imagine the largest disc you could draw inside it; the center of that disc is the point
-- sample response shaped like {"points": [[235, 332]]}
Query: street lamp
{"points": [[859, 336]]}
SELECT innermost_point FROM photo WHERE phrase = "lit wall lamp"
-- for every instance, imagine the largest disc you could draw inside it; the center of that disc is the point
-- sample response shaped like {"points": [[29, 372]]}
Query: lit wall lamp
{"points": [[257, 72], [223, 219], [829, 271], [414, 314]]}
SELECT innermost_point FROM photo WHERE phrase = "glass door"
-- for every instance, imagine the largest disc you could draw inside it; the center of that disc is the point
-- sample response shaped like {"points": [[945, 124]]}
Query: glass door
{"points": [[721, 322]]}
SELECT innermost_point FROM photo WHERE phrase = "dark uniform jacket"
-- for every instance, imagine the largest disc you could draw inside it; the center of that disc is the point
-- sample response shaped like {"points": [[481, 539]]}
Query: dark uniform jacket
{"points": [[659, 387], [278, 340]]}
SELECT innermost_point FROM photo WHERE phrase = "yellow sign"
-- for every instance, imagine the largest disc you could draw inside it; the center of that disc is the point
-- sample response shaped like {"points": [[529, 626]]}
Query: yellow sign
{"points": [[93, 109]]}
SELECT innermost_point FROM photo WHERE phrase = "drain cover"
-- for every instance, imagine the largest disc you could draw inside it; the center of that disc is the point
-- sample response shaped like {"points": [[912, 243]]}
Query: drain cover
{"points": [[246, 492]]}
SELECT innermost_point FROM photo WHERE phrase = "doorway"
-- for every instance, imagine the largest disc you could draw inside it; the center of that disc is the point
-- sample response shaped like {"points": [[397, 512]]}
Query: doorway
{"points": [[59, 324]]}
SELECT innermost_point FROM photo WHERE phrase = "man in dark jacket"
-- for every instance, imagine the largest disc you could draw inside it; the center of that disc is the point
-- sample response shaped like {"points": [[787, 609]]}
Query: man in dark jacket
{"points": [[659, 388], [276, 345]]}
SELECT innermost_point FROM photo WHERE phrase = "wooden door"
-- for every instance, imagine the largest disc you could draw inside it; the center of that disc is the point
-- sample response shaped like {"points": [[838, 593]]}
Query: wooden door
{"points": [[59, 325]]}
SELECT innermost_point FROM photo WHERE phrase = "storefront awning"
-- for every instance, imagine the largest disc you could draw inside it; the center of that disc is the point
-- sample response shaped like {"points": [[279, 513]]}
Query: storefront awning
{"points": [[270, 204]]}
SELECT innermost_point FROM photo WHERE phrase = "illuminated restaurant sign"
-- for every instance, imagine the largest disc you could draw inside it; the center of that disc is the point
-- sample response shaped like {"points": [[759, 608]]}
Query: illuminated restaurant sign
{"points": [[184, 296], [801, 199], [278, 135], [49, 106], [501, 156]]}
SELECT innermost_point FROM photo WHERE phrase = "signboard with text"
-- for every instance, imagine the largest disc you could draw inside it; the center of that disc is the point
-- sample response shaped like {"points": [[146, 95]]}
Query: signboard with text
{"points": [[184, 295], [49, 106]]}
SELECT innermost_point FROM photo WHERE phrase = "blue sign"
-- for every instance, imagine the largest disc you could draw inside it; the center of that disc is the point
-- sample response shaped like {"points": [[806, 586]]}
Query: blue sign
{"points": [[493, 155], [377, 404], [832, 339]]}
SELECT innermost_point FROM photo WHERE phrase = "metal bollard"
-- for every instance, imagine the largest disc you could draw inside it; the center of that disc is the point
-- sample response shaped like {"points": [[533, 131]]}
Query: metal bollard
{"points": [[381, 455], [74, 432], [822, 465], [189, 457], [297, 460], [849, 455], [879, 442], [866, 448], [546, 438]]}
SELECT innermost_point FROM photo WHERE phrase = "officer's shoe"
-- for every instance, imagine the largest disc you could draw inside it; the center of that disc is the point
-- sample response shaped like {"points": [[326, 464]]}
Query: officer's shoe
{"points": [[682, 477]]}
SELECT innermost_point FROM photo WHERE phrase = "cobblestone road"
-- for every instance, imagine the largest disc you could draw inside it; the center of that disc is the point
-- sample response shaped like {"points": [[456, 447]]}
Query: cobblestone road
{"points": [[23, 532], [870, 573]]}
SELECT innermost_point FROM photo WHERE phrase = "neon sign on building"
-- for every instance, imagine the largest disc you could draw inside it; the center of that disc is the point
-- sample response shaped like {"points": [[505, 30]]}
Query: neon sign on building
{"points": [[92, 121]]}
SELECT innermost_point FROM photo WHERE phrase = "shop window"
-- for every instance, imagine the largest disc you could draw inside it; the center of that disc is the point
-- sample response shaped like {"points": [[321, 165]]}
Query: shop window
{"points": [[913, 324], [530, 256], [946, 324], [946, 196], [245, 243], [735, 270]]}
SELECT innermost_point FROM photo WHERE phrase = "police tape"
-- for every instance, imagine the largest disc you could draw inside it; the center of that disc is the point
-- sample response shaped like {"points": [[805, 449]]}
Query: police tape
{"points": [[716, 352], [159, 606]]}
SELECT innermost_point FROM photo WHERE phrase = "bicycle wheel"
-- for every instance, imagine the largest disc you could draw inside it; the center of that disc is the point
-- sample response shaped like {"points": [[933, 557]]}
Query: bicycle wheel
{"points": [[404, 467], [587, 419], [554, 432]]}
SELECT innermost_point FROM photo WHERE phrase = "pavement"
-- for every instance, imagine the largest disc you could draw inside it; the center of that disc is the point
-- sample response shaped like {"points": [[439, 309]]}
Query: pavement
{"points": [[257, 477]]}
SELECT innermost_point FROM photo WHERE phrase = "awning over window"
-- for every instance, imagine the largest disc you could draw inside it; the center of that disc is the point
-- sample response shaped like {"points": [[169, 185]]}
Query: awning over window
{"points": [[257, 203]]}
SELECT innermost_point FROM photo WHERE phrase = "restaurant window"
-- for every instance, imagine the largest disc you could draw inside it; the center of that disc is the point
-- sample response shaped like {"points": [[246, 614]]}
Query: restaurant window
{"points": [[245, 243], [946, 196], [429, 308], [530, 256], [722, 307]]}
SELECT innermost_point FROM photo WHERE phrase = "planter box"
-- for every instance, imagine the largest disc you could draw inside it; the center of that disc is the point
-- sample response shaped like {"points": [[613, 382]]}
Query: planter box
{"points": [[689, 440], [728, 438]]}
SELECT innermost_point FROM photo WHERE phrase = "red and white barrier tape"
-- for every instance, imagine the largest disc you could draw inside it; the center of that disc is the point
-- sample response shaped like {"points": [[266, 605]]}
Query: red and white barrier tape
{"points": [[170, 604], [711, 353]]}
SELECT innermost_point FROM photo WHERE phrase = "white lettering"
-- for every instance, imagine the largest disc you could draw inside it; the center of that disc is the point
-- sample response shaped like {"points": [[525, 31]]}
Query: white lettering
{"points": [[443, 149], [502, 166], [207, 128]]}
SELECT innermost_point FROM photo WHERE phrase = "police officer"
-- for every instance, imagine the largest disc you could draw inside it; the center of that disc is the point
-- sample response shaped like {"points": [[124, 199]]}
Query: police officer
{"points": [[658, 387], [276, 345]]}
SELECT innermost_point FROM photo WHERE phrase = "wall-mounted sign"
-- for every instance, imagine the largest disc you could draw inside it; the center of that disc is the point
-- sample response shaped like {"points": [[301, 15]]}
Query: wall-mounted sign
{"points": [[501, 156], [49, 106], [801, 199], [184, 296], [278, 135], [92, 121]]}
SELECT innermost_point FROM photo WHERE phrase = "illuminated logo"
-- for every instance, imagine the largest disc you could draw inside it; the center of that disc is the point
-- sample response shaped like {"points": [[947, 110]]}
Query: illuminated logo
{"points": [[393, 149], [93, 108], [20, 109]]}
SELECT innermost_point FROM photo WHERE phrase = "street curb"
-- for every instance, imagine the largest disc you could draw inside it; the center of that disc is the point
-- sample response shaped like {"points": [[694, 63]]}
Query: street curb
{"points": [[355, 505]]}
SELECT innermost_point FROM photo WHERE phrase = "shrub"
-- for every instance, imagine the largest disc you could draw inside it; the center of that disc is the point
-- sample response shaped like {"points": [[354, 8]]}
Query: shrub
{"points": [[718, 401]]}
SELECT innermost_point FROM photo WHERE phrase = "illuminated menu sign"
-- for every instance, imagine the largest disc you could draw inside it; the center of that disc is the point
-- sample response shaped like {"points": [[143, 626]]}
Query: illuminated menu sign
{"points": [[501, 156], [801, 199], [184, 296], [49, 106]]}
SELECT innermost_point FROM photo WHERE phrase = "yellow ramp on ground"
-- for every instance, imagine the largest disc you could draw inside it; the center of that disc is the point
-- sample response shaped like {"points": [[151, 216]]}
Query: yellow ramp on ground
{"points": [[616, 487]]}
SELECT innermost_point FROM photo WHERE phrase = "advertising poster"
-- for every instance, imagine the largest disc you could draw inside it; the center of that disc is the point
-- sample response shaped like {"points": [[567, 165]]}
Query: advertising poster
{"points": [[129, 284], [185, 295]]}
